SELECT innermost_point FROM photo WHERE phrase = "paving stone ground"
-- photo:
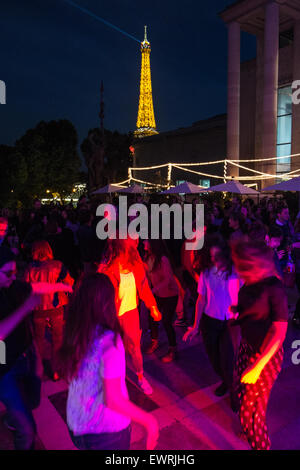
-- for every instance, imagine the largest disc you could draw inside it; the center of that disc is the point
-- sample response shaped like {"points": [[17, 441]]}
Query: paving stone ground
{"points": [[190, 416]]}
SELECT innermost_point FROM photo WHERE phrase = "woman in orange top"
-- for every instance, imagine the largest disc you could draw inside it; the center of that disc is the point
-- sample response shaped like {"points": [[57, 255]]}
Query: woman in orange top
{"points": [[123, 265]]}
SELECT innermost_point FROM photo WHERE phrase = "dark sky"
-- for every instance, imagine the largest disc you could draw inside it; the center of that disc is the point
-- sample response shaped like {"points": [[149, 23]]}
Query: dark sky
{"points": [[54, 56]]}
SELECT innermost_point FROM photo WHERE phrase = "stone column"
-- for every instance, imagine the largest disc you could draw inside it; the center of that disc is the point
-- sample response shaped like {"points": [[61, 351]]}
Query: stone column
{"points": [[271, 55], [259, 99], [233, 97], [295, 163]]}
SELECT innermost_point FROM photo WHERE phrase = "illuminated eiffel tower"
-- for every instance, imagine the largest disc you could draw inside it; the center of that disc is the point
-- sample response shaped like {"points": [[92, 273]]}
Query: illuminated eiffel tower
{"points": [[145, 121]]}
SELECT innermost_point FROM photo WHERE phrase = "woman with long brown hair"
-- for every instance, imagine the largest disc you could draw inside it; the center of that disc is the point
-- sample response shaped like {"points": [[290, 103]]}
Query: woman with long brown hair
{"points": [[166, 290], [93, 361], [262, 313]]}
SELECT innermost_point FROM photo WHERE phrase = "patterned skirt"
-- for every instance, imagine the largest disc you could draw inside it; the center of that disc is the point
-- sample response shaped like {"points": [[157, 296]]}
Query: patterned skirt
{"points": [[253, 398]]}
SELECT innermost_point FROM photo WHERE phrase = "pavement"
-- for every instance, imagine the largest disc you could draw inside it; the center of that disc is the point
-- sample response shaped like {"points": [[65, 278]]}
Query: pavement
{"points": [[190, 416]]}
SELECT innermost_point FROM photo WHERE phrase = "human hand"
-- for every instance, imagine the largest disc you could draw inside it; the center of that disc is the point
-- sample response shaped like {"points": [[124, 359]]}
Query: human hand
{"points": [[233, 312], [251, 374], [152, 433], [155, 313], [280, 254], [191, 332]]}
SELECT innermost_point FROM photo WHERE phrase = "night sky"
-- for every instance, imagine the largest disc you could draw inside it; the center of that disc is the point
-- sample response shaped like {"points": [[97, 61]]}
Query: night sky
{"points": [[53, 58]]}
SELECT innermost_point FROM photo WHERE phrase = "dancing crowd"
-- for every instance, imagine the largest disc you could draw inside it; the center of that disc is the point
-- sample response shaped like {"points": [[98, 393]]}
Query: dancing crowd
{"points": [[57, 276]]}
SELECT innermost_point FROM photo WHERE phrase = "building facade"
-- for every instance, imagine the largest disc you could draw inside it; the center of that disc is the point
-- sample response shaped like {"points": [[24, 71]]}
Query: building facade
{"points": [[262, 121]]}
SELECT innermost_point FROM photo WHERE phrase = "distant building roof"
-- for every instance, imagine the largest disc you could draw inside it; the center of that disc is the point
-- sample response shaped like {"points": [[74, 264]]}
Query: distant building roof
{"points": [[203, 125], [232, 5]]}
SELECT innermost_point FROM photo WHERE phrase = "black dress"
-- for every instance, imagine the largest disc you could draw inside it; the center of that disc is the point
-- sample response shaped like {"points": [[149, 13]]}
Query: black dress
{"points": [[259, 305]]}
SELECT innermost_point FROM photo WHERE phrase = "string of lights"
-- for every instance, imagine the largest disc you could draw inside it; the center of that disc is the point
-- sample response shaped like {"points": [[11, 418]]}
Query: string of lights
{"points": [[266, 159], [197, 172], [251, 177], [149, 183], [257, 176], [122, 182], [265, 175], [154, 167], [250, 169]]}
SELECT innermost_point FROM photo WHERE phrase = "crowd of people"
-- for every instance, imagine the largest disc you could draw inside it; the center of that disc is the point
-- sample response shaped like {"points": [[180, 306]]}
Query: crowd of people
{"points": [[55, 274]]}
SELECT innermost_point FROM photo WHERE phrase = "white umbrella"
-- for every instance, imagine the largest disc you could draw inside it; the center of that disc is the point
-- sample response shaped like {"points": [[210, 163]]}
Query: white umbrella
{"points": [[290, 185], [233, 187], [109, 188], [135, 189], [185, 188]]}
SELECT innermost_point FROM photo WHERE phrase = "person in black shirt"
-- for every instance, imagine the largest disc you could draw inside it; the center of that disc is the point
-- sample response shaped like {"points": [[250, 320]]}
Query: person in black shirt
{"points": [[20, 381], [284, 224], [262, 313]]}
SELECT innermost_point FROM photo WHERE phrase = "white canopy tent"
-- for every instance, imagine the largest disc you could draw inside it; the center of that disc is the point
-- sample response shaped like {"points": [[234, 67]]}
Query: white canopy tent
{"points": [[109, 188], [185, 188], [289, 185], [134, 189], [233, 187]]}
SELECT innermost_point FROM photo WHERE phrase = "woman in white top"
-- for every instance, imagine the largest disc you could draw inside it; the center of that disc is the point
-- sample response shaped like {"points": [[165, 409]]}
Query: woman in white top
{"points": [[218, 289], [93, 361]]}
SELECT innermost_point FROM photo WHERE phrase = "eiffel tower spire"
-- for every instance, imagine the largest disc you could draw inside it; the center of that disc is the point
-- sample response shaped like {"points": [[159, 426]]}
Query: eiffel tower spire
{"points": [[145, 121]]}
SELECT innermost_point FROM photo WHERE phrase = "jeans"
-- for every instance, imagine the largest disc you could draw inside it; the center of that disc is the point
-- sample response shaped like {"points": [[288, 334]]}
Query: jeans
{"points": [[297, 311], [104, 441], [20, 393], [56, 320], [221, 344]]}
